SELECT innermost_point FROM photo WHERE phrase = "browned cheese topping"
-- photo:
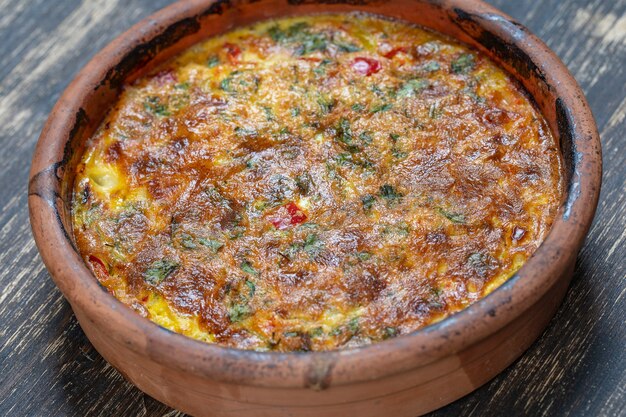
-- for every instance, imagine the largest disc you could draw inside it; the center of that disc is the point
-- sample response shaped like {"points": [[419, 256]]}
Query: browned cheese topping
{"points": [[315, 183]]}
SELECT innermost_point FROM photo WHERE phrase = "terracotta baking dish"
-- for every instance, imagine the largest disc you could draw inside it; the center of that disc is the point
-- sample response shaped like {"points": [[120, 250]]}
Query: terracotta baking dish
{"points": [[404, 376]]}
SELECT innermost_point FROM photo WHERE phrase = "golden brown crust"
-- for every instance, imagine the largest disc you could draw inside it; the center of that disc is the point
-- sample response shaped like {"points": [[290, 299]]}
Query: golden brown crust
{"points": [[315, 183]]}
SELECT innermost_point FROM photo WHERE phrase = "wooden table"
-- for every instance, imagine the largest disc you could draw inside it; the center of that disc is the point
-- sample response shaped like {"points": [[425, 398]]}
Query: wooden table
{"points": [[47, 365]]}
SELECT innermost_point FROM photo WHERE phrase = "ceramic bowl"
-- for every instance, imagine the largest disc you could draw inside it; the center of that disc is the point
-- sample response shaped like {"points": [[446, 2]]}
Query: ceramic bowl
{"points": [[404, 376]]}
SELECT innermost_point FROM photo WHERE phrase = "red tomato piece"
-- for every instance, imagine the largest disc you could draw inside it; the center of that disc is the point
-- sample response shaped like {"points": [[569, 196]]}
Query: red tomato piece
{"points": [[297, 215], [232, 52], [395, 51], [288, 215], [366, 66], [98, 267]]}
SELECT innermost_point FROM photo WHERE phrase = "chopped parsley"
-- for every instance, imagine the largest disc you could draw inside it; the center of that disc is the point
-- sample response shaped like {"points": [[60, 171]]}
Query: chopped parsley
{"points": [[481, 262], [326, 104], [381, 107], [303, 182], [238, 312], [214, 245], [389, 193], [353, 325], [358, 107], [247, 267], [366, 137], [213, 61], [300, 37], [313, 246], [463, 64], [368, 201], [347, 47], [246, 132], [363, 256], [457, 218], [187, 241], [430, 66], [390, 332], [160, 270], [412, 88], [251, 288], [154, 105], [320, 70], [344, 135]]}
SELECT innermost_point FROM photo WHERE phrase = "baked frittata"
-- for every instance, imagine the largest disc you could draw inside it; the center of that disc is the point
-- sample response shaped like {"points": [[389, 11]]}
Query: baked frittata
{"points": [[315, 183]]}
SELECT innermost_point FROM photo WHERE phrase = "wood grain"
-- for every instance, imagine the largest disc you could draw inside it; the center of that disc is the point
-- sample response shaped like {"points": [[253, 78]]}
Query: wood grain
{"points": [[48, 367]]}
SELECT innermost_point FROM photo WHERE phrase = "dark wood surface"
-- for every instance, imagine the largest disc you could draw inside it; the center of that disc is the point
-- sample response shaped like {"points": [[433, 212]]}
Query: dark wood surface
{"points": [[49, 368]]}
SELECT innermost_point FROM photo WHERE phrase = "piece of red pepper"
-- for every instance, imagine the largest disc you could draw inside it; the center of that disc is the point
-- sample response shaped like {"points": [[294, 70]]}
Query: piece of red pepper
{"points": [[232, 52], [366, 66], [98, 267], [395, 51], [288, 215]]}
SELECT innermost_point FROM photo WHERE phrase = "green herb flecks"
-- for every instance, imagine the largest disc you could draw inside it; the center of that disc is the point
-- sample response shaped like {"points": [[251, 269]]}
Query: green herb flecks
{"points": [[400, 229], [389, 193], [430, 66], [240, 82], [353, 325], [159, 271], [390, 332], [213, 245], [366, 138], [347, 47], [246, 132], [482, 262], [276, 33], [368, 201], [213, 61], [344, 158], [247, 267], [358, 107], [463, 64], [412, 88], [316, 332], [398, 153], [363, 256], [238, 312], [187, 241], [154, 105], [436, 291], [269, 114], [182, 86], [236, 232], [303, 182], [326, 104], [300, 37], [344, 135], [251, 288], [381, 108], [313, 246], [456, 218], [320, 70]]}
